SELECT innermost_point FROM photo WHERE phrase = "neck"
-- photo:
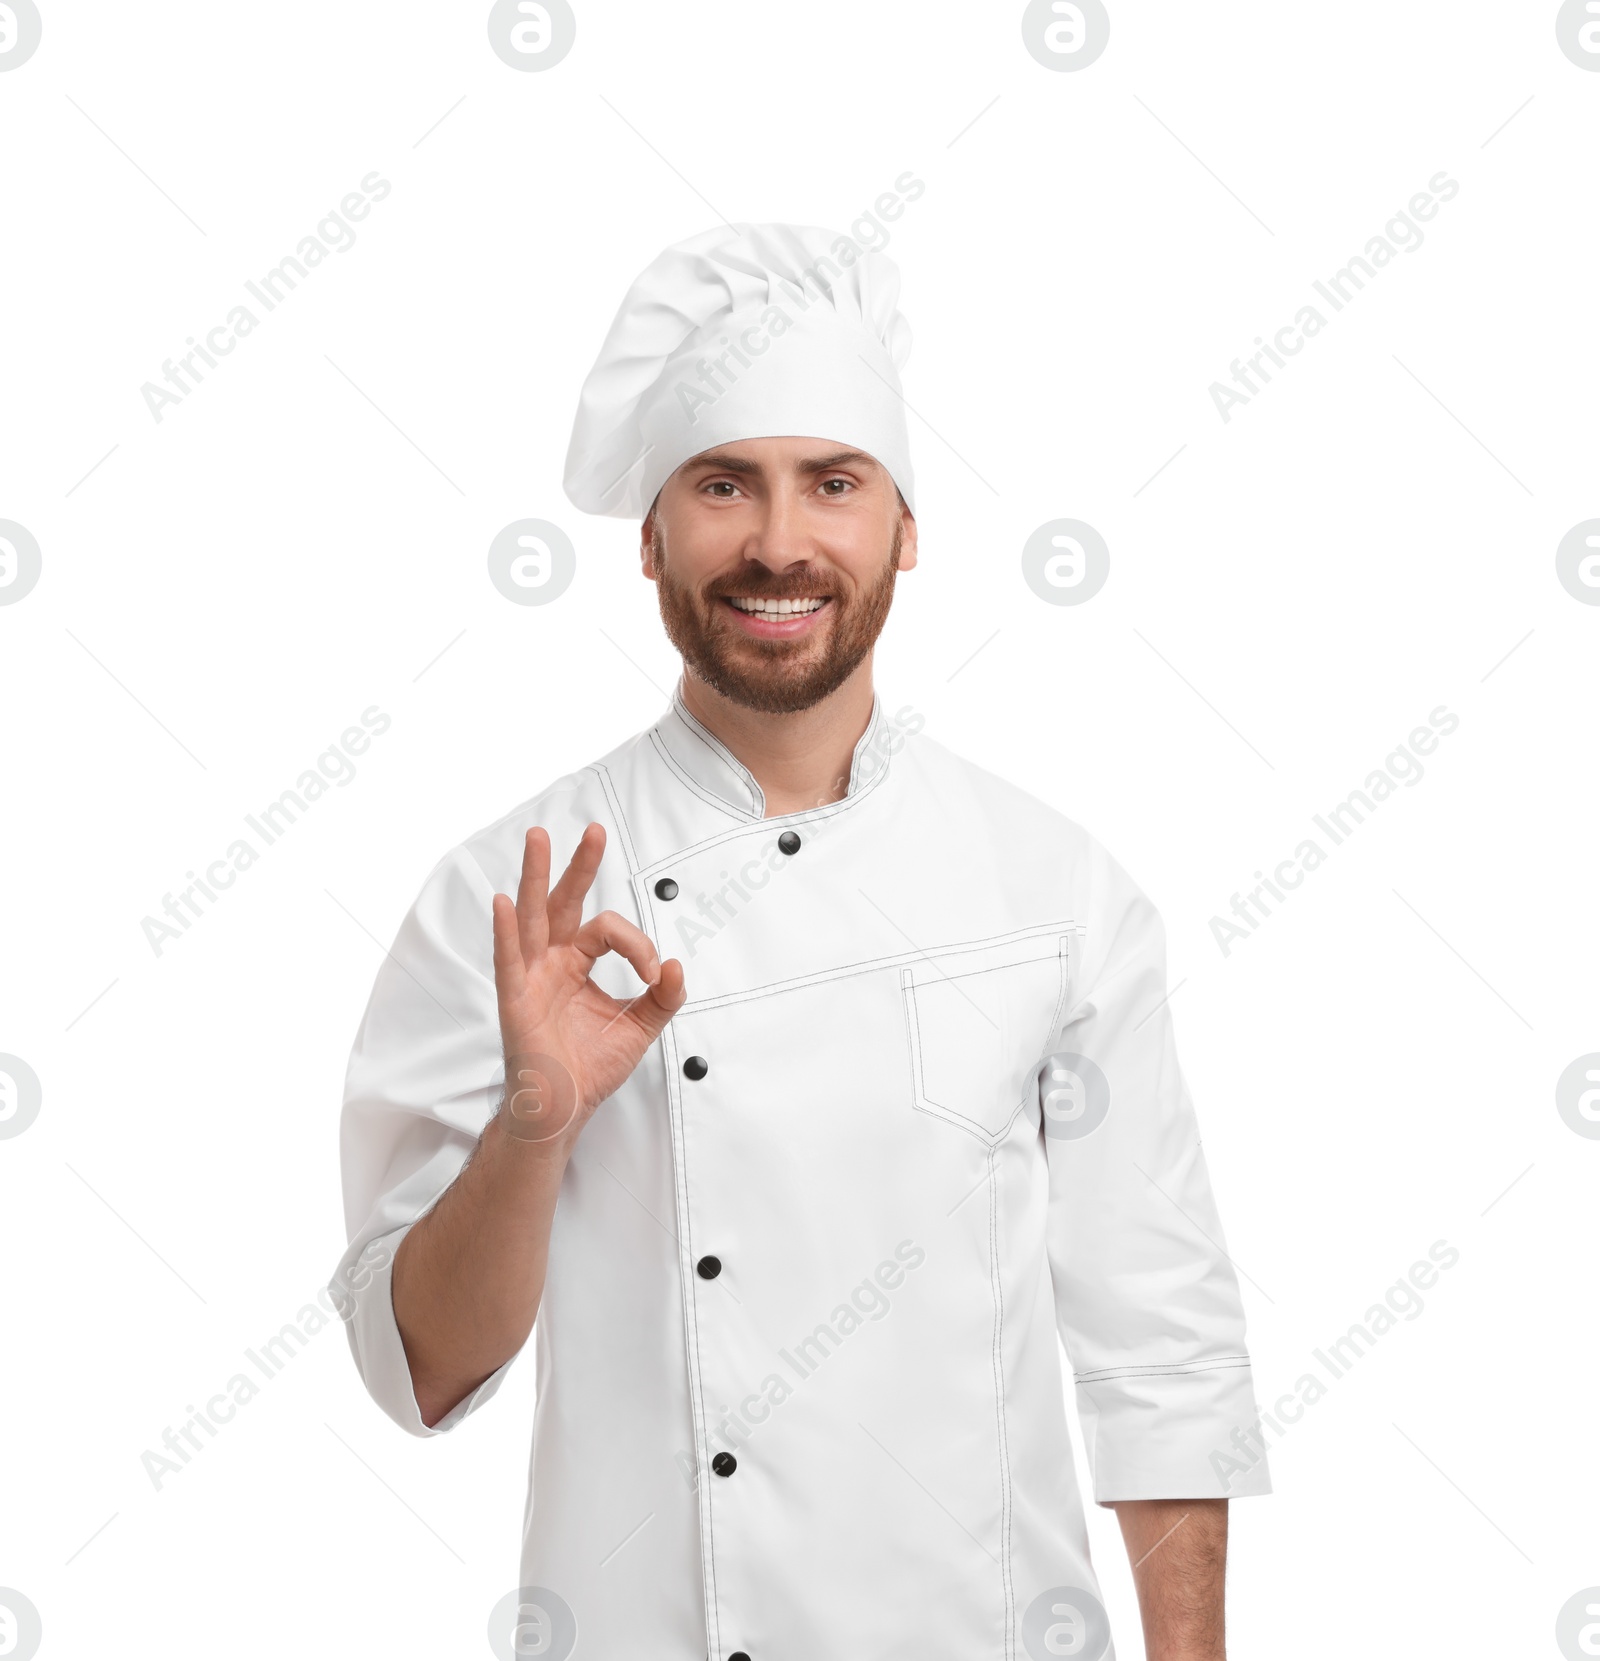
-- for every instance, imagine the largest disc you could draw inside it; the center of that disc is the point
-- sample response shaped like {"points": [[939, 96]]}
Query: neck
{"points": [[800, 760]]}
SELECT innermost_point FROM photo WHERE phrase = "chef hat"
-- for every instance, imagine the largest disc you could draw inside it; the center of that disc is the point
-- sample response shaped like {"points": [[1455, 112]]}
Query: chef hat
{"points": [[744, 331]]}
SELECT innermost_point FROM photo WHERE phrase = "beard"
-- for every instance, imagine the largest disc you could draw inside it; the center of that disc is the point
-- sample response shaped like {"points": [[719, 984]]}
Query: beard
{"points": [[773, 677]]}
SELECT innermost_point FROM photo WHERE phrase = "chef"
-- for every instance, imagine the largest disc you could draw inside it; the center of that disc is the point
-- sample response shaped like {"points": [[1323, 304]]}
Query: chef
{"points": [[796, 1084]]}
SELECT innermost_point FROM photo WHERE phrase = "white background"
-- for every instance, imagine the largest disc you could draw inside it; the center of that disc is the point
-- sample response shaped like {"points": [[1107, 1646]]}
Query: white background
{"points": [[223, 592]]}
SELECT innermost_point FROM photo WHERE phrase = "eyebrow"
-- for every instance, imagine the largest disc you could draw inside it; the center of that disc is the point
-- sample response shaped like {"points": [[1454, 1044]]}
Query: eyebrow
{"points": [[718, 463]]}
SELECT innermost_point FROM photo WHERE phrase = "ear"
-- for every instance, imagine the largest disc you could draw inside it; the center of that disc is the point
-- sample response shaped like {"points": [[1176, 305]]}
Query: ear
{"points": [[908, 540], [647, 559]]}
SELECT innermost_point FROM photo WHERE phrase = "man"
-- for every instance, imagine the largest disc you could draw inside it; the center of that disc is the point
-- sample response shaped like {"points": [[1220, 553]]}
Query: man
{"points": [[830, 1079]]}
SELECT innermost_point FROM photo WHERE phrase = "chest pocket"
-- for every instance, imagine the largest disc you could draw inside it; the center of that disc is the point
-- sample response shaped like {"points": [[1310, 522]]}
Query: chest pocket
{"points": [[980, 1019]]}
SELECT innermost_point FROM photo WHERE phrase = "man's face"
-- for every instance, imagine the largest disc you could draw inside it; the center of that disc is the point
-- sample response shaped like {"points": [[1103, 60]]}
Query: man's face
{"points": [[798, 520]]}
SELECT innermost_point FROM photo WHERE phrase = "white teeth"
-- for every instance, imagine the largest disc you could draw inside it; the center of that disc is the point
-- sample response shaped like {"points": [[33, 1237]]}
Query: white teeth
{"points": [[776, 608]]}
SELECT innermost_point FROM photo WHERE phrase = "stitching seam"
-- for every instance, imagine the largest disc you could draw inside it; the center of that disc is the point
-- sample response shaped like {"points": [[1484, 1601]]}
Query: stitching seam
{"points": [[1000, 1410], [691, 1338], [868, 966], [722, 753], [922, 1101], [688, 783], [615, 802], [1221, 1364], [801, 816], [680, 1161]]}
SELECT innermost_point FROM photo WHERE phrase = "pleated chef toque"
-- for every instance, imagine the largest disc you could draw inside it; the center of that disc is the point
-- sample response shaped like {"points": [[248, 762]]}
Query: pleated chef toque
{"points": [[745, 331]]}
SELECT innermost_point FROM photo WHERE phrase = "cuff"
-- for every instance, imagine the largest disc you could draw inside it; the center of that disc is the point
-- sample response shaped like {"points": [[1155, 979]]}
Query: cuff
{"points": [[1189, 1431], [379, 1350]]}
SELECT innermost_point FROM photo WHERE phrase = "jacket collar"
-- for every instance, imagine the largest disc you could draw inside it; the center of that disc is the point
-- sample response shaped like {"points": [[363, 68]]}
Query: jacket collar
{"points": [[708, 767]]}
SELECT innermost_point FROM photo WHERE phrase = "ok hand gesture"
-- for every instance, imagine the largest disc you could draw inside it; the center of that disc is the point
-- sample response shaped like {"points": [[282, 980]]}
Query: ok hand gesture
{"points": [[568, 1045]]}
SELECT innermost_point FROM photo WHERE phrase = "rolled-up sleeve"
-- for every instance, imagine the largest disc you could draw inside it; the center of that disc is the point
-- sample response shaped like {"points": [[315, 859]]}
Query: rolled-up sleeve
{"points": [[1147, 1299], [425, 1075]]}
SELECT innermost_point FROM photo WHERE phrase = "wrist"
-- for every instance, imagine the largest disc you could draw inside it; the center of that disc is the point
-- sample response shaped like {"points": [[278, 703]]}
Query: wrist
{"points": [[540, 1105], [513, 1145]]}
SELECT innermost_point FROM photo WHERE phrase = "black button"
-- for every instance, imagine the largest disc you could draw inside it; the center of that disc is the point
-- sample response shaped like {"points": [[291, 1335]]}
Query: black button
{"points": [[739, 1655], [696, 1067], [724, 1464], [708, 1268], [789, 842], [666, 889]]}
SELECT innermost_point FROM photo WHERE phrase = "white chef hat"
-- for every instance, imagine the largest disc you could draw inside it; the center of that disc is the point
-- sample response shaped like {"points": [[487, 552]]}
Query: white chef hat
{"points": [[744, 331]]}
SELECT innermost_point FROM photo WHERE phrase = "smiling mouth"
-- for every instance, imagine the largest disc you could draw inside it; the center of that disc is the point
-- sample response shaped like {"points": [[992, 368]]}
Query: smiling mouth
{"points": [[773, 610]]}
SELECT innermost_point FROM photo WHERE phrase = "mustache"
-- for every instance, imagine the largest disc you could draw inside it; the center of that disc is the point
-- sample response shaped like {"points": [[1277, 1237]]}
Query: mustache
{"points": [[802, 588]]}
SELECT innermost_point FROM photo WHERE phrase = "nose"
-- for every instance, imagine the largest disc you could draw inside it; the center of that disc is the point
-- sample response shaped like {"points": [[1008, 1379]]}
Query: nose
{"points": [[780, 538]]}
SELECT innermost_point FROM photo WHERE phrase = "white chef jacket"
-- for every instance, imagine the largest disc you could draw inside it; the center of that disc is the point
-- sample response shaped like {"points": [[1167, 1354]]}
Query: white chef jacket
{"points": [[939, 1118]]}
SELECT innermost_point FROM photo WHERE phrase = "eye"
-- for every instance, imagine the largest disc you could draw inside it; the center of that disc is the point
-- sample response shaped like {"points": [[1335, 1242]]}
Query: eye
{"points": [[717, 486], [828, 490]]}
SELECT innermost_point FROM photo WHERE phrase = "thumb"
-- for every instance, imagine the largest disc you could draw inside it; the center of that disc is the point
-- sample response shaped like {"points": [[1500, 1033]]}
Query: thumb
{"points": [[657, 1004]]}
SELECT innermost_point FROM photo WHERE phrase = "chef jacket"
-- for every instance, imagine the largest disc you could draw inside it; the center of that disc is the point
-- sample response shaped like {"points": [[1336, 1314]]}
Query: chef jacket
{"points": [[799, 1391]]}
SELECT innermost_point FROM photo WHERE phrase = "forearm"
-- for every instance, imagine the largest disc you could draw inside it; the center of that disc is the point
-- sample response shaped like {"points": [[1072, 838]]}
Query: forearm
{"points": [[1178, 1549], [468, 1277]]}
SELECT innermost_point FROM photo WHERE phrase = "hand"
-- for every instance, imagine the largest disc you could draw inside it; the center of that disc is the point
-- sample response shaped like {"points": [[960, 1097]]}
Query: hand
{"points": [[568, 1045]]}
